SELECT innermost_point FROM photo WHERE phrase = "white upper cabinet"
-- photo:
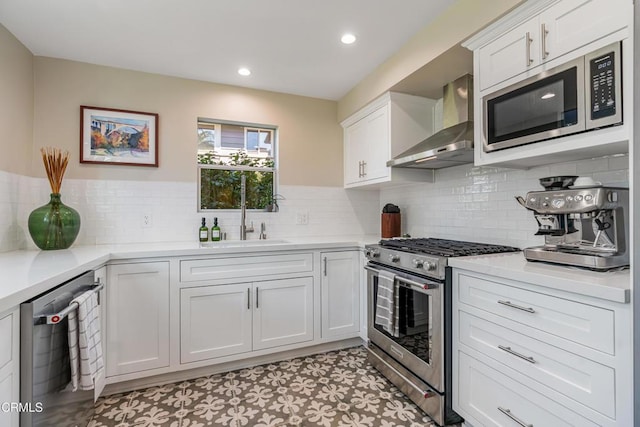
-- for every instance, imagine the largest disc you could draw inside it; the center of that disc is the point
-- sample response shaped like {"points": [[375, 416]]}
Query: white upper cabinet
{"points": [[564, 27], [537, 37], [380, 131], [508, 56], [571, 24]]}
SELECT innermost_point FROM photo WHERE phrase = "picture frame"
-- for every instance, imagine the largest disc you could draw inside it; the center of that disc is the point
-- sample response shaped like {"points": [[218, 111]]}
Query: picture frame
{"points": [[118, 137]]}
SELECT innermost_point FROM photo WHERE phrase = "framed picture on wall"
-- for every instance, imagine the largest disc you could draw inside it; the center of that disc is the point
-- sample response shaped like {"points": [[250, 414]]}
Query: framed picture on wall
{"points": [[118, 137]]}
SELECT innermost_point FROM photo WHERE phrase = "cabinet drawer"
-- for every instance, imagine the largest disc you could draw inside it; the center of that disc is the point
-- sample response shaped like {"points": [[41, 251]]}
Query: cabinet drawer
{"points": [[244, 266], [581, 323], [6, 340], [583, 380], [493, 399]]}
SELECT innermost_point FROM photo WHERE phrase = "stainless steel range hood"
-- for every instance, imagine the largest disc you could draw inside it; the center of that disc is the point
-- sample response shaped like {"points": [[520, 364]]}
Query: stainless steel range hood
{"points": [[453, 145]]}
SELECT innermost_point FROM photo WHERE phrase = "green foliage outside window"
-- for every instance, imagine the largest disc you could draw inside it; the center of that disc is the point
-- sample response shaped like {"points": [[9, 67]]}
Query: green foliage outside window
{"points": [[220, 188]]}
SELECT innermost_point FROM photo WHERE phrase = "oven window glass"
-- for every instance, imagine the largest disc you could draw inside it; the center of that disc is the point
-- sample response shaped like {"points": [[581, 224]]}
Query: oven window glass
{"points": [[414, 321], [544, 105]]}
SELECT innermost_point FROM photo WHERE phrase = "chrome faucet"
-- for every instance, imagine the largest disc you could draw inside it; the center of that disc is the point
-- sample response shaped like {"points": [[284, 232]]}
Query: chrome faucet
{"points": [[243, 209]]}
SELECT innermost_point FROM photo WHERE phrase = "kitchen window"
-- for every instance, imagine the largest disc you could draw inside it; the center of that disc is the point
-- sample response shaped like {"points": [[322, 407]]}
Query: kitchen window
{"points": [[228, 150]]}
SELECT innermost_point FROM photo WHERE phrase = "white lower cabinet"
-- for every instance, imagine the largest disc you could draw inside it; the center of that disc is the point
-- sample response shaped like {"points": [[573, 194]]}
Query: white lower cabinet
{"points": [[283, 312], [137, 317], [222, 320], [526, 354], [9, 367], [215, 321], [340, 289], [494, 399]]}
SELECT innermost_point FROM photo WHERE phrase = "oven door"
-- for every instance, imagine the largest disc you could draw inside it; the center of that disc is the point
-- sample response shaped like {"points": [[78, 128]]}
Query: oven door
{"points": [[545, 106], [419, 340]]}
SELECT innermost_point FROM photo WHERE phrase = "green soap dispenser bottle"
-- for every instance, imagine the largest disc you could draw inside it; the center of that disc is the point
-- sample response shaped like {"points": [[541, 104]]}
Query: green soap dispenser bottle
{"points": [[204, 231], [215, 231]]}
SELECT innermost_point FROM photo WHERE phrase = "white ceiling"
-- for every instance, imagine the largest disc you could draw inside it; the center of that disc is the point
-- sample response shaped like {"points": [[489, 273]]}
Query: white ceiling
{"points": [[291, 46]]}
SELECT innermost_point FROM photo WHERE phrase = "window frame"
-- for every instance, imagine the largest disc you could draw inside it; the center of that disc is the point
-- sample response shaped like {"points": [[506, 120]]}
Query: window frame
{"points": [[218, 134]]}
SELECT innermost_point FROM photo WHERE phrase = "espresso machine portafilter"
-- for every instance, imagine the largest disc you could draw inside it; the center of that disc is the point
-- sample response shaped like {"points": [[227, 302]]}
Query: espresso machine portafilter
{"points": [[585, 227]]}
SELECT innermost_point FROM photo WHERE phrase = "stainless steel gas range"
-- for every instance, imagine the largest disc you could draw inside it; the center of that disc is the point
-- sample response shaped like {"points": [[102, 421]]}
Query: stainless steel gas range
{"points": [[409, 316]]}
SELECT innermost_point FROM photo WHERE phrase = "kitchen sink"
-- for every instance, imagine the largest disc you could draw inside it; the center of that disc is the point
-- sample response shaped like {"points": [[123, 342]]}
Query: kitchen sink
{"points": [[242, 243]]}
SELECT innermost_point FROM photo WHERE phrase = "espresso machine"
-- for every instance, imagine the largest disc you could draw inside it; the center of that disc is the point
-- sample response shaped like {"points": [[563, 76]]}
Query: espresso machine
{"points": [[582, 226]]}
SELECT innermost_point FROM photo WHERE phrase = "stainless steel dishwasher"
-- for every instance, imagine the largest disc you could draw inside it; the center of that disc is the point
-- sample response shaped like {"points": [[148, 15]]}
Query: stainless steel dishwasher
{"points": [[45, 372]]}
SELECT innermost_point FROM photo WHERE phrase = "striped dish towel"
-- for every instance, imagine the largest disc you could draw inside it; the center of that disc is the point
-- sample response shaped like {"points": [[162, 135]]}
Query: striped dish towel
{"points": [[387, 303], [85, 348]]}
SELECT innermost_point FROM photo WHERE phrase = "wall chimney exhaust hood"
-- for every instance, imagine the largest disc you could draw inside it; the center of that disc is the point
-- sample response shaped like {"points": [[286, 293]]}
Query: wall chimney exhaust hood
{"points": [[453, 145]]}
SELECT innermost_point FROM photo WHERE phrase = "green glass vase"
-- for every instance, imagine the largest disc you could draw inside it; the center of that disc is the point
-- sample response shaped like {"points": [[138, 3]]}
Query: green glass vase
{"points": [[54, 225]]}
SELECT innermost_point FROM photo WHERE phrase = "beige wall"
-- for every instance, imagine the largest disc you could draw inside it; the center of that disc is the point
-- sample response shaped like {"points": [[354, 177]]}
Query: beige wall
{"points": [[16, 104], [459, 22], [310, 138]]}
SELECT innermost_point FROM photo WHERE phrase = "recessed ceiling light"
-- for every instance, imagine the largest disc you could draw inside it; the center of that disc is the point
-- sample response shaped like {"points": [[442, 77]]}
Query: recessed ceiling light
{"points": [[244, 71], [348, 38], [548, 95]]}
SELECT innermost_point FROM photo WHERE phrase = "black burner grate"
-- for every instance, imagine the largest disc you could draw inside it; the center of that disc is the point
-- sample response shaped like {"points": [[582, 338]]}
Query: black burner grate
{"points": [[445, 248]]}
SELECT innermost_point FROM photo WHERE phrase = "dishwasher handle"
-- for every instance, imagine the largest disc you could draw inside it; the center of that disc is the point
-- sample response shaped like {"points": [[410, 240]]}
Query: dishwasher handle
{"points": [[54, 319]]}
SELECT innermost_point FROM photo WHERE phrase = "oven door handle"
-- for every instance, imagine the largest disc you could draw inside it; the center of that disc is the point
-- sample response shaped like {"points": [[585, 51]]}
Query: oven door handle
{"points": [[426, 287]]}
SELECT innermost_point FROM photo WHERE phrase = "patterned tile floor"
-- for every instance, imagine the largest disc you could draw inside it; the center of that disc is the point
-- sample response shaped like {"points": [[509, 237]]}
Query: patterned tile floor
{"points": [[331, 389]]}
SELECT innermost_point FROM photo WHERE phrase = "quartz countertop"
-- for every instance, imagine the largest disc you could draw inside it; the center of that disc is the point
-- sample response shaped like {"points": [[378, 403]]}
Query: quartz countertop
{"points": [[609, 285], [26, 274]]}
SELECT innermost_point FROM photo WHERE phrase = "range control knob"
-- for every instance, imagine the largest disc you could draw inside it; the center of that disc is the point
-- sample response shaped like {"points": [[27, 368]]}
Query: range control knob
{"points": [[375, 253], [418, 263], [394, 258], [430, 266]]}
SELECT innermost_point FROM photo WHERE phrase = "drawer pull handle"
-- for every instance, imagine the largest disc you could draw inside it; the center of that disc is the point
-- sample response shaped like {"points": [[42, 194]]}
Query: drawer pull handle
{"points": [[519, 307], [508, 413], [515, 353]]}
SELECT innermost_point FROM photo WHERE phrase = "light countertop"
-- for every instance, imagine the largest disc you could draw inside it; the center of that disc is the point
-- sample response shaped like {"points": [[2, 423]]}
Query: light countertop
{"points": [[609, 285], [25, 274]]}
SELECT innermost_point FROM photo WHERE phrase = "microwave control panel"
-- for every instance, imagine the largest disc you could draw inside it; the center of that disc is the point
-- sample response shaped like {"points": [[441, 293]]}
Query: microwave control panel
{"points": [[603, 86]]}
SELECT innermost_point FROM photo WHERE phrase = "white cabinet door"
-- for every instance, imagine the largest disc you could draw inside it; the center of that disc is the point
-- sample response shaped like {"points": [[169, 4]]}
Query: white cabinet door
{"points": [[215, 321], [367, 148], [355, 138], [340, 293], [283, 312], [9, 367], [138, 317], [8, 418], [376, 149], [509, 55], [571, 24]]}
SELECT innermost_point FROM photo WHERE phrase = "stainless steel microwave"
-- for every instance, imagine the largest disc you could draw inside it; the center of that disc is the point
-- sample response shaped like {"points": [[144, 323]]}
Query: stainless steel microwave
{"points": [[578, 96]]}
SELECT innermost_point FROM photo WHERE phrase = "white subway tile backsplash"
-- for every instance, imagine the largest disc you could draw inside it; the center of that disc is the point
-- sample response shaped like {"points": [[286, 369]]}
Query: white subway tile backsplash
{"points": [[483, 207], [465, 202]]}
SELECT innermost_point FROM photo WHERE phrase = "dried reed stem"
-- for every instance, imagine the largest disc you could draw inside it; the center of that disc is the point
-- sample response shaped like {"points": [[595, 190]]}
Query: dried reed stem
{"points": [[55, 163]]}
